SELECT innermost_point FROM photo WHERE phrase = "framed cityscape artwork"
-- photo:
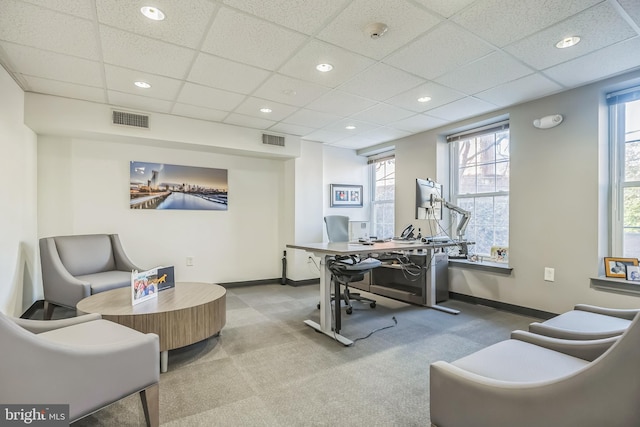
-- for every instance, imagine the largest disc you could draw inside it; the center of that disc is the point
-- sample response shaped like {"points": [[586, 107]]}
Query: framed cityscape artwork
{"points": [[164, 186]]}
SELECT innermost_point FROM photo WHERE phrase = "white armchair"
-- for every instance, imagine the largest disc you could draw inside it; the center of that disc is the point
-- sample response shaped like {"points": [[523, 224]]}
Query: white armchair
{"points": [[532, 381], [84, 361]]}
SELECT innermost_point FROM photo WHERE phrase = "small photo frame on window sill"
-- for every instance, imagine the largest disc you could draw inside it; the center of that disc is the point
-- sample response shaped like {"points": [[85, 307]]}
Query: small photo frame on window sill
{"points": [[617, 267]]}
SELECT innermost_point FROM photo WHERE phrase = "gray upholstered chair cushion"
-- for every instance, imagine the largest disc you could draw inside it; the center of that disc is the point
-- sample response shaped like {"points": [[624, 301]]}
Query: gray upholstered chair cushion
{"points": [[86, 254], [105, 281], [586, 322]]}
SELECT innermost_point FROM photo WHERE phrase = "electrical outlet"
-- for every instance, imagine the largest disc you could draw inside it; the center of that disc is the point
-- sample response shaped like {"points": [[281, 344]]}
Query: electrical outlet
{"points": [[189, 261], [549, 274]]}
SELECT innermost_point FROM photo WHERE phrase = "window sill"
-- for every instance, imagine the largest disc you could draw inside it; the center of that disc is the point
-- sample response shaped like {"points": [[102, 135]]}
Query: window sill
{"points": [[612, 284], [491, 267]]}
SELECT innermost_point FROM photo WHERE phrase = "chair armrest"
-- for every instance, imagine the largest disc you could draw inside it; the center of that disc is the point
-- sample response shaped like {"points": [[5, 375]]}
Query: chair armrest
{"points": [[584, 349], [628, 314], [59, 285], [39, 326], [123, 263], [554, 332]]}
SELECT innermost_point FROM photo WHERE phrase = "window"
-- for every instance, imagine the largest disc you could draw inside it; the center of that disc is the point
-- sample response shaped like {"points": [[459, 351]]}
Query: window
{"points": [[480, 183], [383, 183], [624, 123]]}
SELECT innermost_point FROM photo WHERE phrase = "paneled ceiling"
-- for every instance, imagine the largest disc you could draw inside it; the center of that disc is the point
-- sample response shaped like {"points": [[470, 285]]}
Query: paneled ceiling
{"points": [[226, 60]]}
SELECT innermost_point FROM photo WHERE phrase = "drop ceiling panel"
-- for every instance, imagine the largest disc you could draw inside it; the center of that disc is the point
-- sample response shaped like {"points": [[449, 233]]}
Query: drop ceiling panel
{"points": [[312, 119], [346, 64], [248, 121], [203, 96], [66, 90], [144, 54], [184, 26], [405, 21], [291, 129], [290, 91], [54, 66], [341, 127], [443, 49], [383, 134], [632, 8], [445, 8], [323, 136], [341, 103], [527, 88], [301, 15], [45, 29], [381, 82], [136, 102], [79, 8], [256, 42], [623, 56], [418, 123], [251, 107], [597, 27], [122, 80], [439, 95], [462, 109], [485, 73], [502, 22], [382, 114], [222, 73], [198, 112], [355, 142]]}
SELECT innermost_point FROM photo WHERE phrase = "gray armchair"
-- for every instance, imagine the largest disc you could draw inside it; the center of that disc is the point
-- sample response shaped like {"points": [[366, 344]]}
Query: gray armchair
{"points": [[84, 361], [74, 267], [586, 322], [532, 380]]}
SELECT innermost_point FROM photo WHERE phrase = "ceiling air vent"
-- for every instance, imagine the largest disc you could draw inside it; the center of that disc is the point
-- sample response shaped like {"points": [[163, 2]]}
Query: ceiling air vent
{"points": [[273, 140], [130, 119]]}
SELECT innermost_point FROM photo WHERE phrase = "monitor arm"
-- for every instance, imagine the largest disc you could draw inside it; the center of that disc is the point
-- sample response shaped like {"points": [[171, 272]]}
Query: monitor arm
{"points": [[464, 221]]}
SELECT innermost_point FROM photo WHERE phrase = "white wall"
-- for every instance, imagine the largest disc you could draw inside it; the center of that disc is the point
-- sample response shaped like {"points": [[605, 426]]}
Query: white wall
{"points": [[557, 194], [83, 188], [19, 268]]}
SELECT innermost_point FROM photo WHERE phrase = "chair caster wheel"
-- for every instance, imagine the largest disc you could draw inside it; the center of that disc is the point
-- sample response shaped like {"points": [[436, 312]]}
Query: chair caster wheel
{"points": [[318, 306], [372, 305], [349, 310]]}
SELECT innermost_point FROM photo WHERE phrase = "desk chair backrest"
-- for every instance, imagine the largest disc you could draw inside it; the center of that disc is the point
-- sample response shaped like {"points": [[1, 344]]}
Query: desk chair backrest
{"points": [[337, 228]]}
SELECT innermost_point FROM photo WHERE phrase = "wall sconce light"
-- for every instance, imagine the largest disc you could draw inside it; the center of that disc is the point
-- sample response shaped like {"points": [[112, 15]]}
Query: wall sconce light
{"points": [[547, 122]]}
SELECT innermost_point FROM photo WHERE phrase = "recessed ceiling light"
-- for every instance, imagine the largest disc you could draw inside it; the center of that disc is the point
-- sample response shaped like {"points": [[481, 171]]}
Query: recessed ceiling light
{"points": [[290, 92], [265, 110], [568, 42], [324, 67], [143, 85], [152, 13], [424, 99], [350, 127]]}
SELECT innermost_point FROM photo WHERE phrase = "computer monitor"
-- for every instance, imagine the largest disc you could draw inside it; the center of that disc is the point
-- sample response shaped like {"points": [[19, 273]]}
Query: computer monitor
{"points": [[426, 206]]}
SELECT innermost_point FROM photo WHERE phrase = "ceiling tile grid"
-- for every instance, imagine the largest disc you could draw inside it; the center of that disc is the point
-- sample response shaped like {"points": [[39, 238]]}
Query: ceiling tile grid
{"points": [[224, 60]]}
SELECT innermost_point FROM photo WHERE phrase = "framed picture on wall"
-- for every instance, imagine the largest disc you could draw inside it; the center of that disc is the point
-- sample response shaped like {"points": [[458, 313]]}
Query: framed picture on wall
{"points": [[345, 196], [617, 267]]}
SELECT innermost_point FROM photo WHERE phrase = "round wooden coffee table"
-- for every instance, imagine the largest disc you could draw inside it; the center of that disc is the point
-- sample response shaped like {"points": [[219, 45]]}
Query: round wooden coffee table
{"points": [[180, 316]]}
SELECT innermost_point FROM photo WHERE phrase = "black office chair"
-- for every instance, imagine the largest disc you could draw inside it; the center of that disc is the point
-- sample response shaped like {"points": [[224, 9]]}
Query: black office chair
{"points": [[345, 270]]}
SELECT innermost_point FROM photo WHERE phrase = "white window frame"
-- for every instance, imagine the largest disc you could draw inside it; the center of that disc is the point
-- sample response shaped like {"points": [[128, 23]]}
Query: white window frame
{"points": [[617, 139], [456, 197], [376, 203]]}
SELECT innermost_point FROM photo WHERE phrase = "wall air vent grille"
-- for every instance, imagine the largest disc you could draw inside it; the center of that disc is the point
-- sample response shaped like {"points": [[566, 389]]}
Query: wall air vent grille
{"points": [[130, 119], [273, 140]]}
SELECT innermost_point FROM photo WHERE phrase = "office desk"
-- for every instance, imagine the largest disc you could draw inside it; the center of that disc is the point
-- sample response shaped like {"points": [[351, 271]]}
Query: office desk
{"points": [[327, 250]]}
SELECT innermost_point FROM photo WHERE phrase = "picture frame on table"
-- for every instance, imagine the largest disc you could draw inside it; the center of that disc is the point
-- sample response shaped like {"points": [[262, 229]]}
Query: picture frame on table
{"points": [[633, 273], [617, 267], [345, 196]]}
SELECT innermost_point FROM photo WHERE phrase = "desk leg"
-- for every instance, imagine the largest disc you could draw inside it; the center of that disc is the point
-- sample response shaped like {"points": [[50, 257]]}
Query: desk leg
{"points": [[431, 287], [325, 306], [164, 360]]}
